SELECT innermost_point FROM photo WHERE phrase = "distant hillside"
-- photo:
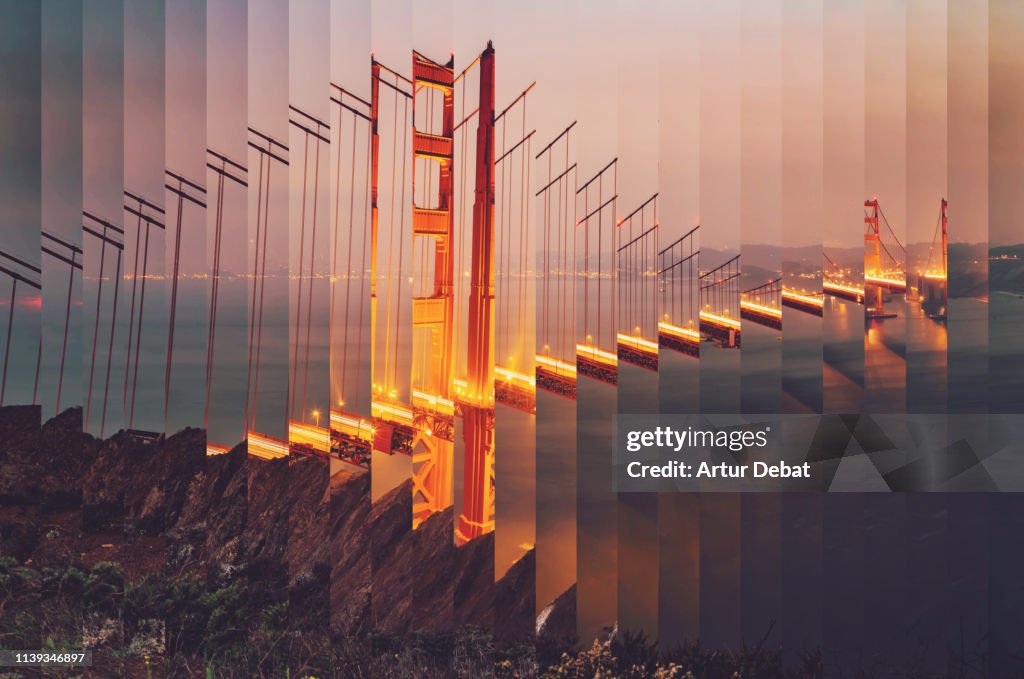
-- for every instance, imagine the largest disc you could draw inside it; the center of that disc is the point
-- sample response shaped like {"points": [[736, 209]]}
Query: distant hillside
{"points": [[1006, 268]]}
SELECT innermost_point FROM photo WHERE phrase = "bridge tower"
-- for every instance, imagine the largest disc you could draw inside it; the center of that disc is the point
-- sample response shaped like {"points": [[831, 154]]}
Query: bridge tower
{"points": [[425, 426], [945, 239], [872, 257], [477, 516], [433, 312], [933, 282]]}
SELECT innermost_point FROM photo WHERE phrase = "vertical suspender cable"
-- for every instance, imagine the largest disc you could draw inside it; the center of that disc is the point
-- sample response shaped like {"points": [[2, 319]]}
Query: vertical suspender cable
{"points": [[211, 330], [249, 397], [67, 323], [96, 326], [312, 264], [7, 345], [110, 347], [292, 392], [391, 243], [263, 286], [367, 235], [138, 335], [334, 246], [401, 226], [174, 302], [39, 360], [131, 317]]}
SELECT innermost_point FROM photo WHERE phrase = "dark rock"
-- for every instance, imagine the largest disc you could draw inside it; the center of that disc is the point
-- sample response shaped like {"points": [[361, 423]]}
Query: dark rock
{"points": [[213, 516], [66, 453], [515, 602], [158, 480], [350, 554], [20, 532], [21, 470], [556, 624], [394, 561], [433, 593], [105, 482], [474, 583], [308, 549]]}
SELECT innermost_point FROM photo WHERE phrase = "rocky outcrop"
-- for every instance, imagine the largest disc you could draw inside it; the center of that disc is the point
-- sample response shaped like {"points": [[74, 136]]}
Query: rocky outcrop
{"points": [[43, 466], [285, 528], [556, 624], [350, 557], [159, 477], [208, 531]]}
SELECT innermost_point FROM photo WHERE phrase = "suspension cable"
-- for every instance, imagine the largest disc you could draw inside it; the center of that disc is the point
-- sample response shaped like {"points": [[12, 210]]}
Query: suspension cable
{"points": [[312, 265], [96, 324], [131, 315], [252, 310], [401, 226], [294, 373], [110, 348]]}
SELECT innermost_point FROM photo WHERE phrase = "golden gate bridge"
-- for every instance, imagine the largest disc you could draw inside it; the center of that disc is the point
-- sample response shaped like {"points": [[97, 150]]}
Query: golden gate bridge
{"points": [[439, 187]]}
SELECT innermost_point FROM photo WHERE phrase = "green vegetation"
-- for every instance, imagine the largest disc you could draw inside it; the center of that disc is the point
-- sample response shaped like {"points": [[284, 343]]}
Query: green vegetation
{"points": [[162, 625]]}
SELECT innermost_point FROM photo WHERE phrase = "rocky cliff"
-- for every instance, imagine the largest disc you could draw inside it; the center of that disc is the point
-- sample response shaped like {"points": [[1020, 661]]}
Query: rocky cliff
{"points": [[286, 529]]}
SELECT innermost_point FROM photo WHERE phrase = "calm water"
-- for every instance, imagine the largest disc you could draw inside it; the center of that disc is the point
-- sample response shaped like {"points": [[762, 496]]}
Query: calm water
{"points": [[910, 362]]}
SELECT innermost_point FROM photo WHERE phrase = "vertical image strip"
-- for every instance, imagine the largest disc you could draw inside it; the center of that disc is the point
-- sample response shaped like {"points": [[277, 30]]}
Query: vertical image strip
{"points": [[637, 242], [352, 430], [27, 72], [268, 281], [21, 216], [761, 311], [885, 306], [842, 280], [554, 165], [441, 446], [720, 326], [228, 180], [395, 439], [927, 303], [60, 379], [515, 395], [102, 207], [678, 302], [185, 191], [803, 82], [309, 437], [596, 359], [967, 314], [1006, 319], [142, 387], [268, 372]]}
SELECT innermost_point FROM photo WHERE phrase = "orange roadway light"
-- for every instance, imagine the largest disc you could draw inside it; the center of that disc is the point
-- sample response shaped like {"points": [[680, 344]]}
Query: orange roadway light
{"points": [[768, 311], [720, 320], [682, 333]]}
